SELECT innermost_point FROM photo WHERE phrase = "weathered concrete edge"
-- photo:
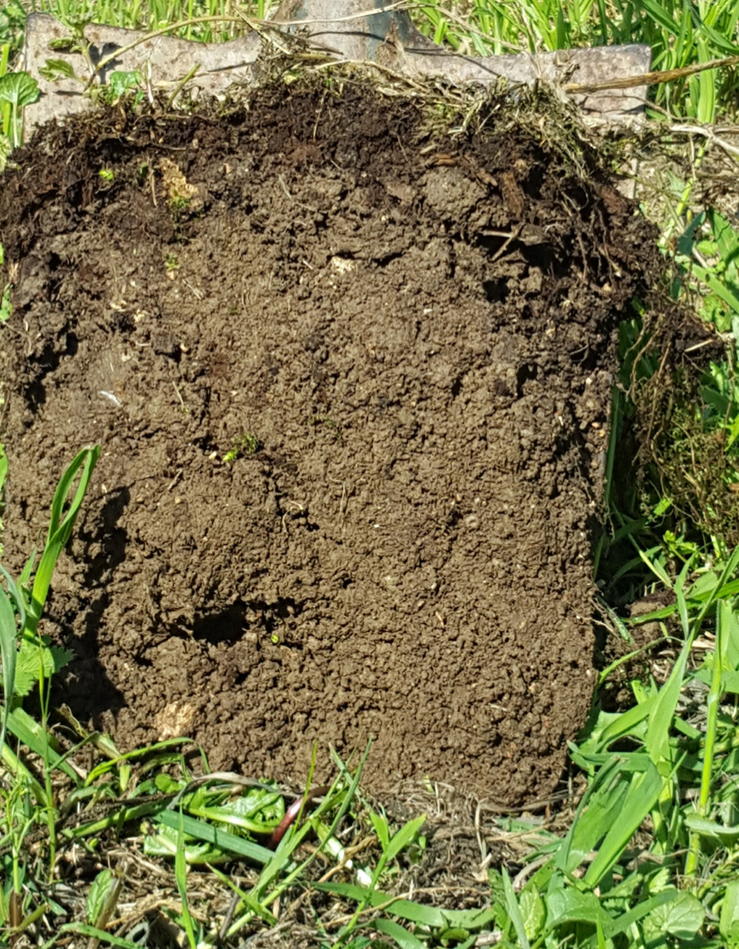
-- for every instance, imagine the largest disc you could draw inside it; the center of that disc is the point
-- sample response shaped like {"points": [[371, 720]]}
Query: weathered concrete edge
{"points": [[165, 60]]}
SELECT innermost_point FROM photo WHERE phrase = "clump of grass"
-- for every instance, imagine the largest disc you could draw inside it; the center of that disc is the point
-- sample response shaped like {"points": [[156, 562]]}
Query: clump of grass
{"points": [[29, 659], [224, 23], [679, 35]]}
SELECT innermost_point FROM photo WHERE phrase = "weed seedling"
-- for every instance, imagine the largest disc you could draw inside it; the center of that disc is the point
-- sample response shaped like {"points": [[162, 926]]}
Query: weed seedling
{"points": [[246, 444]]}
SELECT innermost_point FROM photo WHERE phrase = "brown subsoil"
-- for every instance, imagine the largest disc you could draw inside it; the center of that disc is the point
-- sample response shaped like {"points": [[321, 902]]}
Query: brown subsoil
{"points": [[406, 339]]}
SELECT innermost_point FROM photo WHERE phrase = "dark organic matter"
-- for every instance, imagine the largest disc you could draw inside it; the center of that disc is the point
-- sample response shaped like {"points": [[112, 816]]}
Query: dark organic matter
{"points": [[411, 338]]}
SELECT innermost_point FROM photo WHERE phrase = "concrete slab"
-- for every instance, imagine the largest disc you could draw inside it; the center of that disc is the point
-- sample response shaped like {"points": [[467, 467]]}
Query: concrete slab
{"points": [[344, 29]]}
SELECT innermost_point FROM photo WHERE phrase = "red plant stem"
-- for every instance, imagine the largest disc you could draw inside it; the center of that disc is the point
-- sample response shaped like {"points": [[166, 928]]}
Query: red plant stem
{"points": [[291, 813]]}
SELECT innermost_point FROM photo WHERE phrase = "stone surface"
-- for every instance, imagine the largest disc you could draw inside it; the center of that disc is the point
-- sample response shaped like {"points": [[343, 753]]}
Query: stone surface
{"points": [[387, 37]]}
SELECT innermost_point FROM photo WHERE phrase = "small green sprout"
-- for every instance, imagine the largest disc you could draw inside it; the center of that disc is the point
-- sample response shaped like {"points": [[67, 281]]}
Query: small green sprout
{"points": [[246, 444], [6, 307], [106, 174], [172, 262]]}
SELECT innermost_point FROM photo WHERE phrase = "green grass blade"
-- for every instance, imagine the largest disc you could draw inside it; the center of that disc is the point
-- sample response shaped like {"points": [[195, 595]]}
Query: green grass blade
{"points": [[398, 934], [225, 841], [247, 899], [514, 911], [657, 740], [289, 841], [605, 799], [33, 735], [435, 917], [405, 836], [643, 793], [60, 528], [8, 632], [83, 929], [724, 618], [21, 773], [180, 874]]}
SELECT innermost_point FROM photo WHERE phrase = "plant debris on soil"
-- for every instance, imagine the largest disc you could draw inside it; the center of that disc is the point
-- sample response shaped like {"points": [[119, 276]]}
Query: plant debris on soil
{"points": [[351, 376]]}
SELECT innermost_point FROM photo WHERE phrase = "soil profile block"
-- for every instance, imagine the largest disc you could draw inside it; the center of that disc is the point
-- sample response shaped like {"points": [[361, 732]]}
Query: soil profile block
{"points": [[351, 378]]}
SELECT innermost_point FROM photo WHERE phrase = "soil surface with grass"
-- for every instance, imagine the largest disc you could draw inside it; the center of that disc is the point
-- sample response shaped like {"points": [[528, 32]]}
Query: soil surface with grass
{"points": [[351, 377]]}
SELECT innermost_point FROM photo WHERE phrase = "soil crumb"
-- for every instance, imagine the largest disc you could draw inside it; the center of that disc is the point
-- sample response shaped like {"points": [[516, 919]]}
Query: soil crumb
{"points": [[351, 379]]}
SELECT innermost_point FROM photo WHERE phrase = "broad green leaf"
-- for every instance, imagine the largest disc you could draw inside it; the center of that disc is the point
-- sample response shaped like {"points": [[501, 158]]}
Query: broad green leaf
{"points": [[728, 246], [97, 894], [6, 307], [65, 44], [660, 881], [712, 830], [102, 898], [570, 905], [19, 89], [55, 69], [623, 923], [533, 910], [729, 918], [730, 641], [257, 811], [121, 82], [683, 917], [37, 657]]}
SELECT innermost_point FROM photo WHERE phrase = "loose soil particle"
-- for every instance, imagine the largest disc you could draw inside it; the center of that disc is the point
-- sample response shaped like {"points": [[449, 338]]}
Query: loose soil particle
{"points": [[416, 335]]}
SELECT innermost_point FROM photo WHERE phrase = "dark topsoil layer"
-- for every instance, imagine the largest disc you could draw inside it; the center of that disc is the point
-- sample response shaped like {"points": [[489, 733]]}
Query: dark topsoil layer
{"points": [[418, 331]]}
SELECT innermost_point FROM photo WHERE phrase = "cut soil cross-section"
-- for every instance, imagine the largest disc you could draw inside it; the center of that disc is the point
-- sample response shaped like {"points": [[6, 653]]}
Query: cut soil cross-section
{"points": [[351, 379]]}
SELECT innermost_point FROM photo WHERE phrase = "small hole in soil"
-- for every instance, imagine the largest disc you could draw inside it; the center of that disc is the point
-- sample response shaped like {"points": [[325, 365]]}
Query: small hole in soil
{"points": [[547, 258], [585, 358], [533, 182], [269, 616], [224, 627], [105, 550], [523, 375], [496, 290], [36, 394]]}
